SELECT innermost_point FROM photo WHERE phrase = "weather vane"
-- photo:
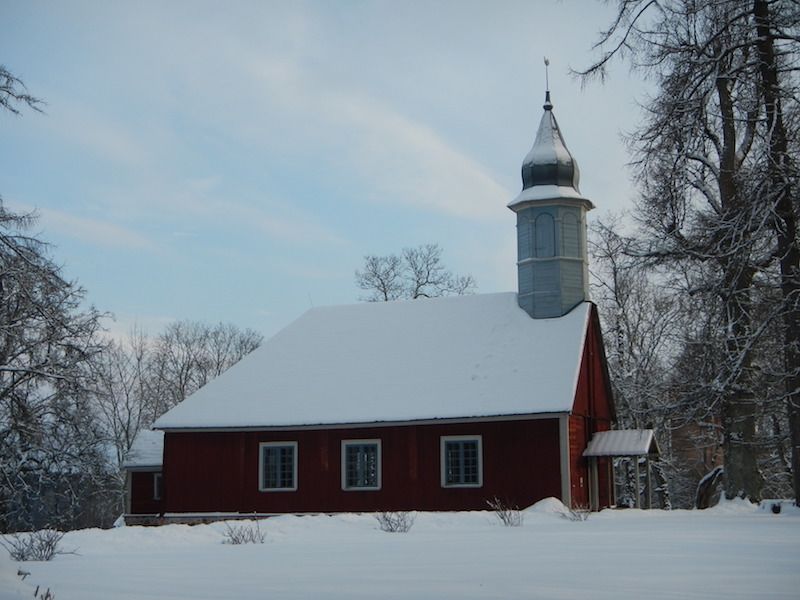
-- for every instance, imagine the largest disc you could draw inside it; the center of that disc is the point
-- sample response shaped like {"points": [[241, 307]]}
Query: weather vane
{"points": [[546, 74]]}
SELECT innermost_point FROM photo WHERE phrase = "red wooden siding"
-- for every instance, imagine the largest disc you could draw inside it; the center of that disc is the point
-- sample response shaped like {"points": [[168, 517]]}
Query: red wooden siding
{"points": [[591, 412], [142, 501], [218, 471]]}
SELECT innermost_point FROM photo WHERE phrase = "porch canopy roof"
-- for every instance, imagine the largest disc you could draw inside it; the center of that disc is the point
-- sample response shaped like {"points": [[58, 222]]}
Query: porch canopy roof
{"points": [[629, 442]]}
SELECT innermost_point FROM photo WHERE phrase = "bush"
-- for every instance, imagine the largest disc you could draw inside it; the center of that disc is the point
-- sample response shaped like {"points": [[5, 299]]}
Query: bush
{"points": [[395, 522], [39, 545], [510, 516], [579, 513], [244, 534], [43, 595]]}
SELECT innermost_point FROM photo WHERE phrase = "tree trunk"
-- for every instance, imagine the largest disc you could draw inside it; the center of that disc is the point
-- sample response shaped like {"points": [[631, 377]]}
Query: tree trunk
{"points": [[739, 407], [788, 252]]}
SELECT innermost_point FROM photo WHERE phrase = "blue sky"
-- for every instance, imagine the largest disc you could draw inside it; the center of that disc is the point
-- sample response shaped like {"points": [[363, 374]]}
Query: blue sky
{"points": [[235, 161]]}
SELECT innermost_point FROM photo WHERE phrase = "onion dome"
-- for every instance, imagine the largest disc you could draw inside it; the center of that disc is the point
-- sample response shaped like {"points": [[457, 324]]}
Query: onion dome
{"points": [[549, 171]]}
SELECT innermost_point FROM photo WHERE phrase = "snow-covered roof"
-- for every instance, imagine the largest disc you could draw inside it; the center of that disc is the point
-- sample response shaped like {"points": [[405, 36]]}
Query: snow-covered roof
{"points": [[467, 356], [631, 442], [147, 450], [548, 192]]}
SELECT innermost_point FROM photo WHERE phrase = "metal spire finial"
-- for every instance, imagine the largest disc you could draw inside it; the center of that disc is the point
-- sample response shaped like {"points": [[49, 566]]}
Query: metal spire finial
{"points": [[547, 104]]}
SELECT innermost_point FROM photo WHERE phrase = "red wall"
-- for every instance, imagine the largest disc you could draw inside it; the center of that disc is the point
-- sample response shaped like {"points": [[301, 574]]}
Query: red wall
{"points": [[142, 494], [591, 412], [218, 471]]}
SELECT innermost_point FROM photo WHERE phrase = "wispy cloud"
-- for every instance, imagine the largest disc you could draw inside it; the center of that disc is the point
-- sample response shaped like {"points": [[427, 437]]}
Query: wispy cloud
{"points": [[93, 132], [196, 205], [278, 220], [94, 231], [397, 159], [408, 162], [289, 229], [119, 327]]}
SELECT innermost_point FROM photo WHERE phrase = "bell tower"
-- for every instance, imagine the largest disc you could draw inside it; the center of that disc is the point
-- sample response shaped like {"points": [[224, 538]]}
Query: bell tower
{"points": [[552, 260]]}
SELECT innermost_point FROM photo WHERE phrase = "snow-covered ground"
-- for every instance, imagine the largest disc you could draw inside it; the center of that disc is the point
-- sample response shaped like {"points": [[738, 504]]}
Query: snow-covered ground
{"points": [[733, 551]]}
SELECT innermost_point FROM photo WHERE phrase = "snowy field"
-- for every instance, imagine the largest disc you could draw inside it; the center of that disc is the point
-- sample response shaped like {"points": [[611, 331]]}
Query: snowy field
{"points": [[733, 551]]}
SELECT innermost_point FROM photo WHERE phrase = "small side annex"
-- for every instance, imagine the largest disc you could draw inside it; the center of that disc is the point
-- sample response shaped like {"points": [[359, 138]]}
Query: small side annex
{"points": [[144, 477], [423, 405]]}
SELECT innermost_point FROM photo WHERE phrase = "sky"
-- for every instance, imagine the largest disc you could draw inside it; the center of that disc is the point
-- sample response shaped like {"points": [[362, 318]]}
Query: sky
{"points": [[236, 161]]}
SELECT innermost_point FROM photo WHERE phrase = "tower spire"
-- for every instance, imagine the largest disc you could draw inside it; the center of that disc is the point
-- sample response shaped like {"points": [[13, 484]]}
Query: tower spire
{"points": [[552, 262], [547, 104]]}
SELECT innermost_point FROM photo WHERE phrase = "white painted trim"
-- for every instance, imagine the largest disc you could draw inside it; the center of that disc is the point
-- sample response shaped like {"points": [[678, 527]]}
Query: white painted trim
{"points": [[261, 447], [518, 205], [594, 485], [442, 460], [373, 424], [143, 468], [563, 441], [128, 491], [219, 515], [539, 259], [343, 466]]}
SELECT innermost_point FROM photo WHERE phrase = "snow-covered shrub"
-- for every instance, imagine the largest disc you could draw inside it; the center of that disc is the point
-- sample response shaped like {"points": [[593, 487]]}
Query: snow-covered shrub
{"points": [[579, 513], [43, 595], [39, 545], [244, 534], [395, 522], [510, 516]]}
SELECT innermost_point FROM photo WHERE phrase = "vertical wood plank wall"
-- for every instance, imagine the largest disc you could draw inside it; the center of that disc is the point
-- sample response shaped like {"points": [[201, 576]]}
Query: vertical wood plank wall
{"points": [[218, 471], [591, 413]]}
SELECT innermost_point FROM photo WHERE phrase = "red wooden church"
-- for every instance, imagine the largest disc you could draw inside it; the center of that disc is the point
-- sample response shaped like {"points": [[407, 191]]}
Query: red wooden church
{"points": [[436, 404]]}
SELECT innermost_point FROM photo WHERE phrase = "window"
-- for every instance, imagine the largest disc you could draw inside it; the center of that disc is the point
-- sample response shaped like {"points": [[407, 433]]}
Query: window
{"points": [[462, 461], [361, 464], [158, 486], [571, 235], [545, 236], [277, 466]]}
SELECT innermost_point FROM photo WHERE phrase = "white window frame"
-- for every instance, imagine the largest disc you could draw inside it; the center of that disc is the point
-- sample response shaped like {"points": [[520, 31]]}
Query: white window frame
{"points": [[443, 459], [345, 444], [158, 485], [261, 483]]}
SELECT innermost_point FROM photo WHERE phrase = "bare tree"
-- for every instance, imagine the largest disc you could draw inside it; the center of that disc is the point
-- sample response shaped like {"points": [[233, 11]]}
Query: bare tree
{"points": [[382, 277], [188, 354], [776, 42], [710, 130], [47, 339], [416, 273], [122, 392], [640, 319], [136, 380], [14, 93], [51, 453]]}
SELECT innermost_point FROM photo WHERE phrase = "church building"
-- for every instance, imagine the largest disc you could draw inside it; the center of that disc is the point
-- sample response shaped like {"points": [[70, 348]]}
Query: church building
{"points": [[429, 404]]}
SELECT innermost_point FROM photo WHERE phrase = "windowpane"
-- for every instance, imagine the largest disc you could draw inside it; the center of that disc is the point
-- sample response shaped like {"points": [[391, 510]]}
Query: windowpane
{"points": [[545, 236], [279, 466], [361, 465], [462, 462], [158, 484], [470, 462], [453, 450]]}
